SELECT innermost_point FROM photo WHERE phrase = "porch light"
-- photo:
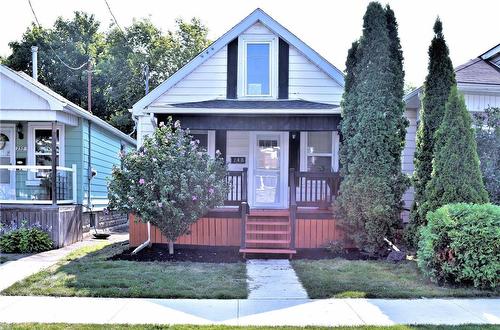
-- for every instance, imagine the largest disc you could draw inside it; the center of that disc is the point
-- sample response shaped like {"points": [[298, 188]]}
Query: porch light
{"points": [[19, 129]]}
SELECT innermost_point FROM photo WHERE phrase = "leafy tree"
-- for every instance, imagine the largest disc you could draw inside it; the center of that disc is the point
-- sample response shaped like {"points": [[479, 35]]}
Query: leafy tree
{"points": [[117, 78], [145, 44], [487, 126], [373, 126], [169, 182], [437, 85], [456, 176]]}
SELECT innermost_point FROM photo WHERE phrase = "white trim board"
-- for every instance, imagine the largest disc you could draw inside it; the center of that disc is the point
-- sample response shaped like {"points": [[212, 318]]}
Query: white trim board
{"points": [[258, 15]]}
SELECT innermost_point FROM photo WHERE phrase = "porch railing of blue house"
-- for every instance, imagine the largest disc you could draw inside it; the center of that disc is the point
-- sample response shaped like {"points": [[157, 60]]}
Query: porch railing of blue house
{"points": [[33, 184]]}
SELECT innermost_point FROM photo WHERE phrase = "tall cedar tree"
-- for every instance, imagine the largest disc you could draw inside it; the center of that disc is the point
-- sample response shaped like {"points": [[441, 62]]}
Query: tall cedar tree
{"points": [[456, 175], [373, 127], [437, 85]]}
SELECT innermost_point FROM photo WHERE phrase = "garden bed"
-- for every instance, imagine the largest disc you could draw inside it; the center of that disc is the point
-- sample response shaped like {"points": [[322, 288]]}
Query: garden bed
{"points": [[89, 272], [191, 253], [340, 278]]}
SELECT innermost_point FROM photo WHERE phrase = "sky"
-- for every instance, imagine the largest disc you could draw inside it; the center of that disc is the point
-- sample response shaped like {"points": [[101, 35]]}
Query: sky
{"points": [[471, 27]]}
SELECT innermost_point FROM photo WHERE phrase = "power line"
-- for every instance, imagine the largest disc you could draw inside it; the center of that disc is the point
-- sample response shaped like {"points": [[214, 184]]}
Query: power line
{"points": [[114, 19], [50, 46]]}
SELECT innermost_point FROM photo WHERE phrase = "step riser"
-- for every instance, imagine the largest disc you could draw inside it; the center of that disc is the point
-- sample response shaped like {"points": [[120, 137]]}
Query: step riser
{"points": [[268, 231]]}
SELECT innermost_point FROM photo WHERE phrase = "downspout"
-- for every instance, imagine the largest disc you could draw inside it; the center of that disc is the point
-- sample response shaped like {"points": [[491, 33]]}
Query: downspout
{"points": [[146, 243]]}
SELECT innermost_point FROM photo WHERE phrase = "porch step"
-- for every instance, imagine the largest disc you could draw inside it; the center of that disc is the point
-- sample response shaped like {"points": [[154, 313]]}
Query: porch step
{"points": [[268, 241], [268, 251], [269, 213], [267, 223], [269, 232]]}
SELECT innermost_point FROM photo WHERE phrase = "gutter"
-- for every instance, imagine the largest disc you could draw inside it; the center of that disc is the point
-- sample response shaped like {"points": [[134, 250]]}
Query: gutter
{"points": [[146, 243]]}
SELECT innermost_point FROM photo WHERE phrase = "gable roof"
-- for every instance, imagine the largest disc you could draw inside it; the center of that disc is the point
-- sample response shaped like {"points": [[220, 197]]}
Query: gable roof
{"points": [[478, 71], [254, 104], [58, 102], [258, 15]]}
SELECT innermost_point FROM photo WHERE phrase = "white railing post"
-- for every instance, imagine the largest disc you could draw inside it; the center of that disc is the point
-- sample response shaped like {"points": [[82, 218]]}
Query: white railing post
{"points": [[74, 183]]}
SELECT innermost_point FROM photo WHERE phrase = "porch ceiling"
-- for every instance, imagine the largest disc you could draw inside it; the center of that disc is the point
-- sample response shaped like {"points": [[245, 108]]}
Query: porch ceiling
{"points": [[256, 122]]}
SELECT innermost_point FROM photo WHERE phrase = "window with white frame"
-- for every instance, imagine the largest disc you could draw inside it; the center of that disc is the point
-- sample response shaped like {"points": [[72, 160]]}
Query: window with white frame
{"points": [[320, 151], [258, 72], [40, 147], [206, 140]]}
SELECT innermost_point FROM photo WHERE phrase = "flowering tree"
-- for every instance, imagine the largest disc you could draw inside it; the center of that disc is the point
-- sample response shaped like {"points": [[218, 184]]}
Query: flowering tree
{"points": [[170, 181]]}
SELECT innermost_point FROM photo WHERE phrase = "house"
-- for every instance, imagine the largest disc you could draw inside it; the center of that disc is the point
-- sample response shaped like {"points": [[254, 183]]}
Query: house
{"points": [[478, 80], [271, 105], [38, 125]]}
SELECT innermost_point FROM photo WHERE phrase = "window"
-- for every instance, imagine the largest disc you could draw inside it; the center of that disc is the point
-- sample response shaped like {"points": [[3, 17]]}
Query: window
{"points": [[258, 69], [40, 147], [258, 72], [320, 151], [206, 140]]}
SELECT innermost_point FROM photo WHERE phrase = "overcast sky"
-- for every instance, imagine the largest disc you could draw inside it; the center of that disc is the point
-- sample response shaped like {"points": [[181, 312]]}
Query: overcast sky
{"points": [[328, 26]]}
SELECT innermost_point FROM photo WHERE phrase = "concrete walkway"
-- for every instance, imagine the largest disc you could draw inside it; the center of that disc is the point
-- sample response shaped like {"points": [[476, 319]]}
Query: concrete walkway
{"points": [[13, 271], [273, 279], [299, 312]]}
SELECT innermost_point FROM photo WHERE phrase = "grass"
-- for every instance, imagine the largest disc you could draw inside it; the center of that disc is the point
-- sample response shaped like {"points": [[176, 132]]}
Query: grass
{"points": [[339, 278], [87, 272], [61, 326]]}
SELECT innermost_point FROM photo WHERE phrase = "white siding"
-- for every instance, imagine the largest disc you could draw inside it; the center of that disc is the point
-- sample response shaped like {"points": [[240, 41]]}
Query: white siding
{"points": [[206, 82], [308, 82], [407, 156], [15, 96], [238, 145], [479, 102], [144, 127], [257, 29]]}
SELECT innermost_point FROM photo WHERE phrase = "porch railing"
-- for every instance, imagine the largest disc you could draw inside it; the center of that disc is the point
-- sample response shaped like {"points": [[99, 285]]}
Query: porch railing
{"points": [[311, 189], [33, 184], [238, 187]]}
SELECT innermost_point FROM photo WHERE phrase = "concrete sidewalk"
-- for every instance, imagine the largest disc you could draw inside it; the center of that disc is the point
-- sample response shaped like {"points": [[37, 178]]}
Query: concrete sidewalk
{"points": [[299, 312], [13, 271]]}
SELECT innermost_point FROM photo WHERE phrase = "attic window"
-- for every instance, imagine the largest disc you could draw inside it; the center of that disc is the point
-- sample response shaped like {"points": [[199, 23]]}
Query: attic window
{"points": [[257, 66], [258, 73]]}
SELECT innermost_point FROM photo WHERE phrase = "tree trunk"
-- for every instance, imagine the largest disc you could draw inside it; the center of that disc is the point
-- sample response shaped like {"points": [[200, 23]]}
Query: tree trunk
{"points": [[170, 247]]}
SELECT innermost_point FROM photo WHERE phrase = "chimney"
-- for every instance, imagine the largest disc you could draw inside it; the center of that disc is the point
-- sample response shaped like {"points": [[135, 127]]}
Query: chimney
{"points": [[34, 61]]}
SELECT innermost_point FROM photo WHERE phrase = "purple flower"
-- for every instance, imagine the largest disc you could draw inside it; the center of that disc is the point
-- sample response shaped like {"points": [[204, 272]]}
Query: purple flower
{"points": [[194, 198], [211, 190], [160, 204], [141, 181], [162, 124], [177, 124]]}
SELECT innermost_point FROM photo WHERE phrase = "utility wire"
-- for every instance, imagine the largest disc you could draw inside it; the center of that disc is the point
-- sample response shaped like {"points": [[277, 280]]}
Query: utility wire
{"points": [[116, 21], [50, 46]]}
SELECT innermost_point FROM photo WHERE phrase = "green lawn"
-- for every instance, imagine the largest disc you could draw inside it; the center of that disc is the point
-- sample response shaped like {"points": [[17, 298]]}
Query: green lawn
{"points": [[341, 278], [87, 272], [39, 326]]}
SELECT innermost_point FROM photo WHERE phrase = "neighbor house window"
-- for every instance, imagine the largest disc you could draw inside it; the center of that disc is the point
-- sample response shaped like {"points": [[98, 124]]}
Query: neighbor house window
{"points": [[258, 69], [40, 147], [321, 151]]}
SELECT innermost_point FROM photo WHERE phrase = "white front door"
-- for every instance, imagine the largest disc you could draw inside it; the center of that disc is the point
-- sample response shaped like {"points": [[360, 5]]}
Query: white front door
{"points": [[7, 157], [268, 170]]}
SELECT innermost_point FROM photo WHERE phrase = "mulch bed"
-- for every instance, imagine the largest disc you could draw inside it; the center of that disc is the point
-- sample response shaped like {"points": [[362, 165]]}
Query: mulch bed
{"points": [[211, 254]]}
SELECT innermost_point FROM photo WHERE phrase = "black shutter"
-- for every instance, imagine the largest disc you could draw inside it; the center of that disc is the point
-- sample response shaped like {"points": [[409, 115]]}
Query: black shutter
{"points": [[232, 69], [283, 69], [220, 142]]}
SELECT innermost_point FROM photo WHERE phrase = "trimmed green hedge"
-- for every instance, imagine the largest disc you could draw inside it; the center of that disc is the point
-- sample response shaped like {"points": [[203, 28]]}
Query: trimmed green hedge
{"points": [[461, 245]]}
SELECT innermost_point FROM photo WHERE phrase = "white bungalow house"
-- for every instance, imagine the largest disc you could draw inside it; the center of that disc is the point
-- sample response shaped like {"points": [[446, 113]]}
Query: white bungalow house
{"points": [[271, 105]]}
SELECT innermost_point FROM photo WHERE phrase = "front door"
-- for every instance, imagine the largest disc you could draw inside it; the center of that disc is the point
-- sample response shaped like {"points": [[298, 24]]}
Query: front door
{"points": [[268, 170], [7, 157]]}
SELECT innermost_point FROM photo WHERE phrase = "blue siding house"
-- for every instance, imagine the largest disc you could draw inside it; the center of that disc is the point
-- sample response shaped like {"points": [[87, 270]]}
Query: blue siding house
{"points": [[36, 126]]}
